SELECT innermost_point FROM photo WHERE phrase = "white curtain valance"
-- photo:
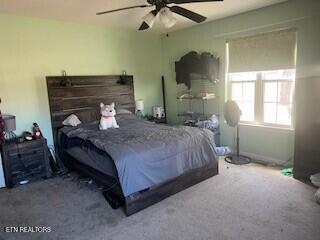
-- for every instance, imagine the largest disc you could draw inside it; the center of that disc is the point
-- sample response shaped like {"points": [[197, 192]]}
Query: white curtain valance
{"points": [[267, 51]]}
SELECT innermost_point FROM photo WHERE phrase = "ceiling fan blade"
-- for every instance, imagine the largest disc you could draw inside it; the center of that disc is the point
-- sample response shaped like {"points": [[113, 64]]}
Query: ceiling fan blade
{"points": [[188, 14], [191, 1], [125, 8], [143, 26], [148, 20]]}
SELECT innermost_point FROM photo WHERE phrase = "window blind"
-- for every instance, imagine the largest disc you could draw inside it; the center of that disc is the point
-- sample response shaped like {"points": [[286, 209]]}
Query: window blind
{"points": [[267, 51]]}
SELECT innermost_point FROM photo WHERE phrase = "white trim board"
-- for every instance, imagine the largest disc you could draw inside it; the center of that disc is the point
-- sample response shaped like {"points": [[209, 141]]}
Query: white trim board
{"points": [[265, 159]]}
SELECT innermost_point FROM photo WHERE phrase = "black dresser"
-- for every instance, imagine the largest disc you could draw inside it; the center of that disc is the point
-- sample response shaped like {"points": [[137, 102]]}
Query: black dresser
{"points": [[25, 162]]}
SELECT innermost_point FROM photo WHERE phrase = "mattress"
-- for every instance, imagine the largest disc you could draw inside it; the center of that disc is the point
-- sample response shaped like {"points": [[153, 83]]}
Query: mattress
{"points": [[142, 154], [86, 153]]}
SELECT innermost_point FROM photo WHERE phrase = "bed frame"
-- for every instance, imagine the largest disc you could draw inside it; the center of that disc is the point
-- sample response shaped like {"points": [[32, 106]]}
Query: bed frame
{"points": [[81, 95]]}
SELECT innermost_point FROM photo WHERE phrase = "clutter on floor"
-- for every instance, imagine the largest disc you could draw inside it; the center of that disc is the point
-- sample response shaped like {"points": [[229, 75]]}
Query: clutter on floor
{"points": [[315, 179], [222, 151], [317, 195], [287, 172]]}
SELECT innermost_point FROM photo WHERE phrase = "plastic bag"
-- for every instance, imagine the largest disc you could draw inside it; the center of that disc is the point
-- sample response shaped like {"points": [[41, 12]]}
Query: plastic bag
{"points": [[315, 179], [222, 151], [211, 123], [317, 195]]}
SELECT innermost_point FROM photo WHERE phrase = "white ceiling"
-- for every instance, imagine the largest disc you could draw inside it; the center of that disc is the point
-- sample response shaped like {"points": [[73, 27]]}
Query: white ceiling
{"points": [[84, 11]]}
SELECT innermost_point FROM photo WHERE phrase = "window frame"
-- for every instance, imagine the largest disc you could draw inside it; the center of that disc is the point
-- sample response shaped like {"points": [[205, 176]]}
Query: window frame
{"points": [[254, 101], [259, 88], [277, 103]]}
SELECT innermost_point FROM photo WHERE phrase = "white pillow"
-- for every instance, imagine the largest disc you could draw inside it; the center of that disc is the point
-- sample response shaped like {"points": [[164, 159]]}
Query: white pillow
{"points": [[72, 120]]}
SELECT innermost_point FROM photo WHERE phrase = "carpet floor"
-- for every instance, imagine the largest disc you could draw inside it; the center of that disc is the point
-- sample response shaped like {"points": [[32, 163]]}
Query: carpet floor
{"points": [[242, 202]]}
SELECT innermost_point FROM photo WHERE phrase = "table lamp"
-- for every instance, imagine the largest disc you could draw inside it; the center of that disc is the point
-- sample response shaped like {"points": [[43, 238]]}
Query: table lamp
{"points": [[9, 127], [140, 108]]}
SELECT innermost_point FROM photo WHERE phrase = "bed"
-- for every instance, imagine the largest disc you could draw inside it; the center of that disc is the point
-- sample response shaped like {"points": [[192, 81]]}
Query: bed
{"points": [[141, 162]]}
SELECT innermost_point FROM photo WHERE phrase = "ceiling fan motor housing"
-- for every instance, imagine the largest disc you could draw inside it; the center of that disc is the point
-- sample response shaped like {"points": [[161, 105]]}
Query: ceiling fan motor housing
{"points": [[158, 3]]}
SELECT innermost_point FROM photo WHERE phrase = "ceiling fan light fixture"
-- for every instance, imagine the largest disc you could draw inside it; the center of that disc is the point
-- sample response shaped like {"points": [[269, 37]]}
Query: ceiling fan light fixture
{"points": [[149, 19], [167, 18]]}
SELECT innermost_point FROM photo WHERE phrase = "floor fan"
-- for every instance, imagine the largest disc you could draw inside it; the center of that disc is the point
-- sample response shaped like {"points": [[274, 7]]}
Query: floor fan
{"points": [[232, 115]]}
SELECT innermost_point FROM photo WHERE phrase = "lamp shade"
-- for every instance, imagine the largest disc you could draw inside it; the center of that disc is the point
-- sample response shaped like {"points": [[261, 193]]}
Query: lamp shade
{"points": [[9, 123], [149, 19], [167, 18], [139, 105]]}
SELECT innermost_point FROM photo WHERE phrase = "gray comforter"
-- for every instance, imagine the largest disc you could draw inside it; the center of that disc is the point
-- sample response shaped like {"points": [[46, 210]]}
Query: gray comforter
{"points": [[146, 154]]}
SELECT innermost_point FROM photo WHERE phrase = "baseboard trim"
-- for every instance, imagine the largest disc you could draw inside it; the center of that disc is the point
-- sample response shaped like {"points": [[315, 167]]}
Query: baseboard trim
{"points": [[264, 159]]}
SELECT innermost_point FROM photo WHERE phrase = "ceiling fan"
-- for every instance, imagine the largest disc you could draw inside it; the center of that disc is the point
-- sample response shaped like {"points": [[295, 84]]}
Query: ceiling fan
{"points": [[164, 10]]}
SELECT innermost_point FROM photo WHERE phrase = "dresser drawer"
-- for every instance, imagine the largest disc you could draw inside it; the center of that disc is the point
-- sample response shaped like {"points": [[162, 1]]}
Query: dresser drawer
{"points": [[33, 161], [31, 173], [26, 145], [18, 176], [25, 152], [26, 161], [21, 173]]}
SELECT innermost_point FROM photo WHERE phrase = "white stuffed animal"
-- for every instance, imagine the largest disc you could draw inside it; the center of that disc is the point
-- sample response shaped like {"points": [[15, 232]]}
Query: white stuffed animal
{"points": [[107, 117]]}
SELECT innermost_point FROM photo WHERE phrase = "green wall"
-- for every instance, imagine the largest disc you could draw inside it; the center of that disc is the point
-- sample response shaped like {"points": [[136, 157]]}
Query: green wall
{"points": [[268, 144], [31, 49]]}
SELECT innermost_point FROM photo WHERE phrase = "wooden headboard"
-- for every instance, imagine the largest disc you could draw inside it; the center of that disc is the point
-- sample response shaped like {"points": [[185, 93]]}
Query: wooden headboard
{"points": [[82, 95]]}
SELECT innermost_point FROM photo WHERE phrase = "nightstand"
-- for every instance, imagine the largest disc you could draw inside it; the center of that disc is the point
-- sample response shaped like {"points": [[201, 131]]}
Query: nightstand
{"points": [[25, 162]]}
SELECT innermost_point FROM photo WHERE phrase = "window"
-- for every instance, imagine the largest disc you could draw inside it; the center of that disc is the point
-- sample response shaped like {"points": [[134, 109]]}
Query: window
{"points": [[243, 92], [261, 76], [264, 97], [278, 94]]}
